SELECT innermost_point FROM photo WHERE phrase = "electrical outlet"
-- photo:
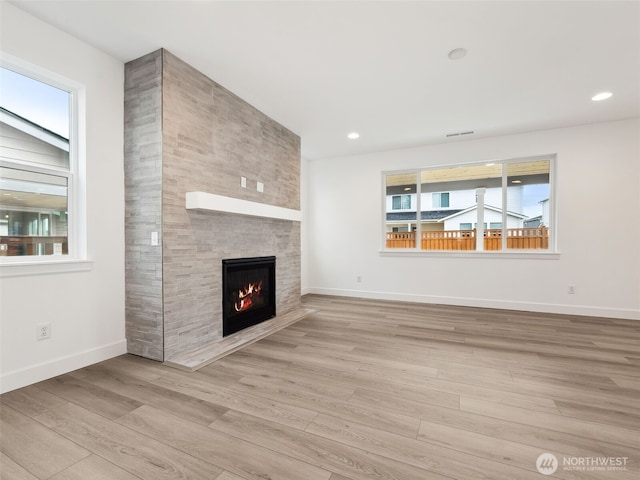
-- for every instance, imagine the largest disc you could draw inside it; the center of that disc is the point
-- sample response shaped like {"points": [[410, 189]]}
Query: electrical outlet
{"points": [[43, 331], [359, 278], [571, 290]]}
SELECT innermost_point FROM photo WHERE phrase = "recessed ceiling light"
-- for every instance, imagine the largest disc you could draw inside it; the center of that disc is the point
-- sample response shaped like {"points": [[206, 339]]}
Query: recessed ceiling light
{"points": [[601, 96], [353, 135], [457, 53]]}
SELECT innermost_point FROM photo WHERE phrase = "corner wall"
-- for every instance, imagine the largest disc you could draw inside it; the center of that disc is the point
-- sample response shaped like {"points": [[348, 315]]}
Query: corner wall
{"points": [[598, 204], [86, 309]]}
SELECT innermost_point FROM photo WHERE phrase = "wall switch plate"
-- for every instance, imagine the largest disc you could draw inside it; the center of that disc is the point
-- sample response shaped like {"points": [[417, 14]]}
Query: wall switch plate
{"points": [[243, 182], [155, 241], [572, 289], [260, 187]]}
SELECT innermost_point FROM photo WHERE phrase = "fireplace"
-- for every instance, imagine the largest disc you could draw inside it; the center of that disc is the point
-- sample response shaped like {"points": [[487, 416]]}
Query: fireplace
{"points": [[248, 292]]}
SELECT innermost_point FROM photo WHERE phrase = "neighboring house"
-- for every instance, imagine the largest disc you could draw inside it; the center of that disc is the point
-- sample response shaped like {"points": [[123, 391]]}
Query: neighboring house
{"points": [[453, 210], [540, 220], [31, 204], [24, 140], [466, 219], [533, 222], [406, 221]]}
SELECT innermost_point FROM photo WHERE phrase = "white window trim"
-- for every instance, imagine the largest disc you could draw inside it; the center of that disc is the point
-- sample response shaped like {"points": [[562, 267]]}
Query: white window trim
{"points": [[76, 259], [20, 269], [552, 253]]}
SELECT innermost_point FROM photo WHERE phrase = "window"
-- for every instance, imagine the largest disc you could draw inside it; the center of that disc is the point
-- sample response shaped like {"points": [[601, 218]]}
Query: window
{"points": [[401, 202], [497, 206], [34, 212], [441, 200], [38, 166]]}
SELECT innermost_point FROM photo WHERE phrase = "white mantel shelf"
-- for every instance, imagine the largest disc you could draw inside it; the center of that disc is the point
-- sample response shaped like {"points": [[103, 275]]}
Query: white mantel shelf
{"points": [[218, 203]]}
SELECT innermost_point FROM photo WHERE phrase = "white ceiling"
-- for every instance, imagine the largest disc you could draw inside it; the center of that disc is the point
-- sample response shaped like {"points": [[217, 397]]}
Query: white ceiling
{"points": [[324, 69]]}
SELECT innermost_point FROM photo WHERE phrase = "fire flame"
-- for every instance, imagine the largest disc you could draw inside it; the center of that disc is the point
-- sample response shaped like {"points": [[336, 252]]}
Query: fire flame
{"points": [[245, 296]]}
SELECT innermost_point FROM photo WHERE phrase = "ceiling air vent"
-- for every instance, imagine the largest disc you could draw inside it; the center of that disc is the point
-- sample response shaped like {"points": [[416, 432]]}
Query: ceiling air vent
{"points": [[457, 134]]}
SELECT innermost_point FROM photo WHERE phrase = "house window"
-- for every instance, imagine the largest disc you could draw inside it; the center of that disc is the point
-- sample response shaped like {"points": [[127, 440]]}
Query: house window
{"points": [[38, 166], [401, 202], [441, 200], [497, 206]]}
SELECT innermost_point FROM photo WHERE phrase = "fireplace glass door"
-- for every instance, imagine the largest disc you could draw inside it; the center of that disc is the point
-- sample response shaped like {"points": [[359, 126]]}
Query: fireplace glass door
{"points": [[249, 289]]}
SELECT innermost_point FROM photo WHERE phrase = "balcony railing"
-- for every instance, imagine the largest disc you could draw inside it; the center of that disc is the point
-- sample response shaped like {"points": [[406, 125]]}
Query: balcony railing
{"points": [[517, 238]]}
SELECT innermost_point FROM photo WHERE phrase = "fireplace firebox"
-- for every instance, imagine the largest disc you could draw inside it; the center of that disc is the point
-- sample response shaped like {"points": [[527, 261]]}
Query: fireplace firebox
{"points": [[248, 292]]}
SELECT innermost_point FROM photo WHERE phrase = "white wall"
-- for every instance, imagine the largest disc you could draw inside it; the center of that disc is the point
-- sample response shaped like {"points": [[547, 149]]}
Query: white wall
{"points": [[597, 240], [86, 309]]}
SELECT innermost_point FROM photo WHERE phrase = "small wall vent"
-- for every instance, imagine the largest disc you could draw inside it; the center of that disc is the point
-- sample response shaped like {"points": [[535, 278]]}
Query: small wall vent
{"points": [[457, 134]]}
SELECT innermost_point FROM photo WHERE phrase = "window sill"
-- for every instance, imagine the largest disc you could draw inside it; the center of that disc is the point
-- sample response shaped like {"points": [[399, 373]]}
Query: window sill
{"points": [[43, 267], [526, 254]]}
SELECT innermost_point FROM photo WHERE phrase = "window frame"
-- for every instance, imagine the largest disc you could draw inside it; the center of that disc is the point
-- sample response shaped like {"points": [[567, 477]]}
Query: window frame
{"points": [[551, 252], [76, 258]]}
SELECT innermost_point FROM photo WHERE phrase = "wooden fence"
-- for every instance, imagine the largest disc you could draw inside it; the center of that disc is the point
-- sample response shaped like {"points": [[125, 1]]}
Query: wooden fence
{"points": [[528, 238], [517, 238], [401, 239], [449, 240], [15, 245]]}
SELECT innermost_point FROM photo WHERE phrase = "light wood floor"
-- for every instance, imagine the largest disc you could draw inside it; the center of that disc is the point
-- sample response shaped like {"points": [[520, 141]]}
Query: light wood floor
{"points": [[359, 390]]}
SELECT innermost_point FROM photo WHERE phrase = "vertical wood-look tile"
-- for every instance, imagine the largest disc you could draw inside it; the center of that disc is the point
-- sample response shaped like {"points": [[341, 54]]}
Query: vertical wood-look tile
{"points": [[31, 400], [138, 454], [249, 460], [37, 449], [10, 470], [94, 467], [99, 400]]}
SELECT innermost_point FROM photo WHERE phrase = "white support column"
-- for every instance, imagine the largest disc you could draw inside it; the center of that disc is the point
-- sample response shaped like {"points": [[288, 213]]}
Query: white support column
{"points": [[480, 218]]}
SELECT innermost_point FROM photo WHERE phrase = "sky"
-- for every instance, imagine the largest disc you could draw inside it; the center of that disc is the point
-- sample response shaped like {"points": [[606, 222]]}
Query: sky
{"points": [[532, 195], [38, 102]]}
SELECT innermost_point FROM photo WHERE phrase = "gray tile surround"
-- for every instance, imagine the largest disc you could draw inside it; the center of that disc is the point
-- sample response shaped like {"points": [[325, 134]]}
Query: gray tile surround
{"points": [[143, 205], [184, 132]]}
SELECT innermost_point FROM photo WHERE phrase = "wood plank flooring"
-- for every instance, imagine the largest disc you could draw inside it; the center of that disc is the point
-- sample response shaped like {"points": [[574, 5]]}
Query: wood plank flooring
{"points": [[357, 390]]}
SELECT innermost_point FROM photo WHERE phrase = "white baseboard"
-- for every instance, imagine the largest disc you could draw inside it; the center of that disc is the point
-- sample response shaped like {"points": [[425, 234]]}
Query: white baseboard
{"points": [[43, 371], [585, 310]]}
